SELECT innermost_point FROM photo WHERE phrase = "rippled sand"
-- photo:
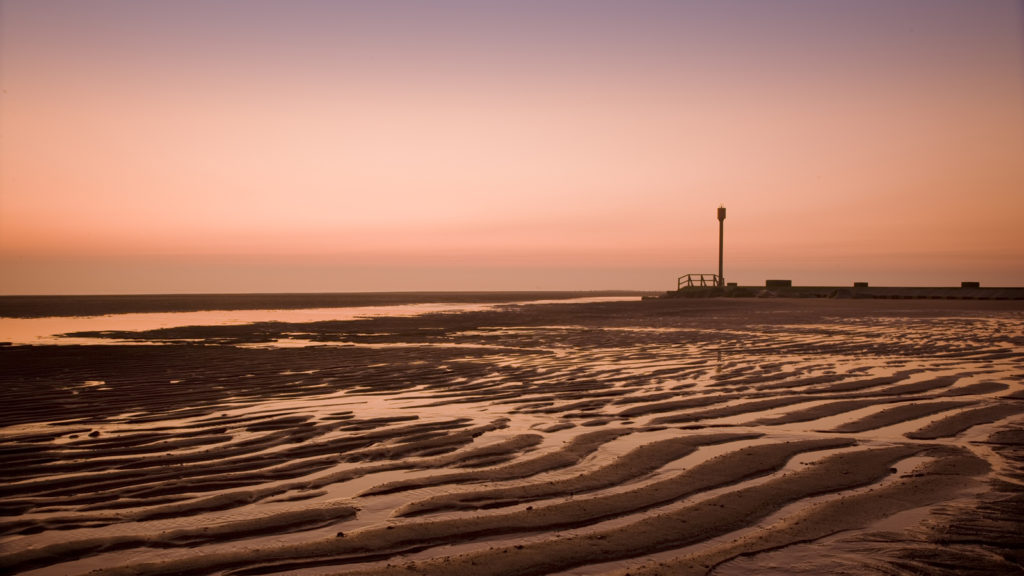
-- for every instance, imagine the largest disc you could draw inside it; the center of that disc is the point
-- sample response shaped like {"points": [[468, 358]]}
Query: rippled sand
{"points": [[656, 437]]}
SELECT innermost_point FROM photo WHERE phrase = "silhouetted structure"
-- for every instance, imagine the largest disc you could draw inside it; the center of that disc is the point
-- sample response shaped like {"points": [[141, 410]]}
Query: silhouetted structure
{"points": [[721, 241], [716, 281], [697, 281], [714, 285]]}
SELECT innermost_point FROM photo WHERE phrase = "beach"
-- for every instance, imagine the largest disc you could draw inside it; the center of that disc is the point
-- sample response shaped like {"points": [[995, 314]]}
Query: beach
{"points": [[675, 436]]}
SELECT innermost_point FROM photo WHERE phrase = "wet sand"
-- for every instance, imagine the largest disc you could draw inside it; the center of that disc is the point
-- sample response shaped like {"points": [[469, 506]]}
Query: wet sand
{"points": [[714, 436]]}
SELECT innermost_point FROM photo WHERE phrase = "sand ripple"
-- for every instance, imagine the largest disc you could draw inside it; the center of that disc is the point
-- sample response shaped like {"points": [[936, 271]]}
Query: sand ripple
{"points": [[670, 437]]}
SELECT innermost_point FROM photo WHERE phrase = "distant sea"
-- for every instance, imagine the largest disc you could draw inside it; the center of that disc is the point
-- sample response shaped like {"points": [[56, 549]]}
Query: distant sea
{"points": [[98, 305], [56, 320]]}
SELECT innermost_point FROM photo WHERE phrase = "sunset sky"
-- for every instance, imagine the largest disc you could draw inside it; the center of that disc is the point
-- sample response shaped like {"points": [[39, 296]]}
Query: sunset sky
{"points": [[266, 146]]}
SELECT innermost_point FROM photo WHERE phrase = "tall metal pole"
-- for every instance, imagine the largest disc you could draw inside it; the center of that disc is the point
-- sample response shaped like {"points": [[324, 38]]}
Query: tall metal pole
{"points": [[721, 236]]}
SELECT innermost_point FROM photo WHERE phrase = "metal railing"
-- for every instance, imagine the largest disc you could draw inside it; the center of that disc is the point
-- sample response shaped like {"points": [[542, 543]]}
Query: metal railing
{"points": [[698, 281]]}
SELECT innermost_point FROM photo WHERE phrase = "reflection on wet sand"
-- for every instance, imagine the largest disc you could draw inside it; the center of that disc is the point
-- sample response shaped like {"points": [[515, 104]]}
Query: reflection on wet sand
{"points": [[608, 437]]}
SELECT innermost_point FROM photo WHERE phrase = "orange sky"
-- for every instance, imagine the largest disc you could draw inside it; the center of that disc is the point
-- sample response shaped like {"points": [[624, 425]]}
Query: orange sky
{"points": [[454, 145]]}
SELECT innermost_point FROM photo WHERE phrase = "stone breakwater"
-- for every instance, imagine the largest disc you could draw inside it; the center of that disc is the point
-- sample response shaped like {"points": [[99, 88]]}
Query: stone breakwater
{"points": [[863, 292]]}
